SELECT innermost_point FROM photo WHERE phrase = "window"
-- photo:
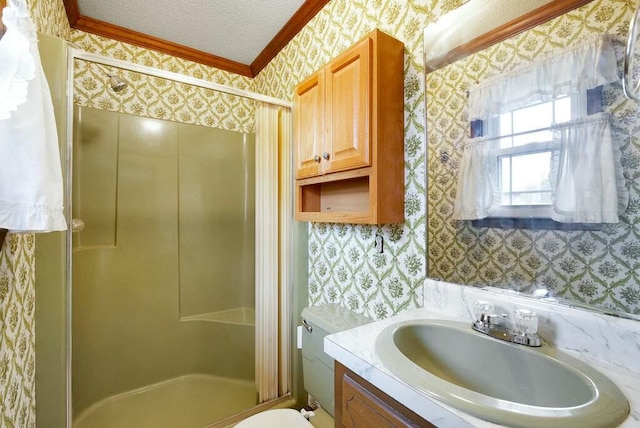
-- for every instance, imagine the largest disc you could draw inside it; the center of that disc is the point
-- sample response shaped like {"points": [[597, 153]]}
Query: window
{"points": [[547, 149], [522, 155]]}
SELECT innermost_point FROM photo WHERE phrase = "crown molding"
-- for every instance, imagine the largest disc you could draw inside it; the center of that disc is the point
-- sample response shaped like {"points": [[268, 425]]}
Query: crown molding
{"points": [[73, 12], [3, 234], [122, 34], [307, 11]]}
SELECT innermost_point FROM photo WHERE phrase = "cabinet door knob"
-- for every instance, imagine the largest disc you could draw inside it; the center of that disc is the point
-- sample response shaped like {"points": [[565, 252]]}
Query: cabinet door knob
{"points": [[325, 155], [316, 158]]}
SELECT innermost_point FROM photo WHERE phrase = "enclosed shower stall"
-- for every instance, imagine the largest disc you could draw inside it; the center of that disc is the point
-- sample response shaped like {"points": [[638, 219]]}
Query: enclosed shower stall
{"points": [[169, 303], [163, 272]]}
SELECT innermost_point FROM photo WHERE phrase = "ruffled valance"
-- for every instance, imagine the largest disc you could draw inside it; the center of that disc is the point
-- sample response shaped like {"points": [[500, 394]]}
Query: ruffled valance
{"points": [[586, 65], [30, 174]]}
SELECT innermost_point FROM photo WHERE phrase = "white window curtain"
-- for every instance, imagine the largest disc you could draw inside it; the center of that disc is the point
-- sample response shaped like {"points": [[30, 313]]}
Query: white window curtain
{"points": [[476, 194], [587, 164], [586, 65], [30, 173], [589, 188]]}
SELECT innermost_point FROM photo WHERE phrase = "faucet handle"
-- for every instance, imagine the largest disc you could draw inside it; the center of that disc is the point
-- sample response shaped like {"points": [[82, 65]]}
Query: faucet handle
{"points": [[526, 322], [482, 309]]}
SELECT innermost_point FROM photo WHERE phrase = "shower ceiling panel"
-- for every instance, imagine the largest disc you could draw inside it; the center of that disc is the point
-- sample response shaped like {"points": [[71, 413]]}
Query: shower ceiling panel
{"points": [[236, 35]]}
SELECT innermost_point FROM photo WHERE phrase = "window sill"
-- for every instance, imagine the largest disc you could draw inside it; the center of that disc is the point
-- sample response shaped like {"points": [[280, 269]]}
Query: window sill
{"points": [[534, 223]]}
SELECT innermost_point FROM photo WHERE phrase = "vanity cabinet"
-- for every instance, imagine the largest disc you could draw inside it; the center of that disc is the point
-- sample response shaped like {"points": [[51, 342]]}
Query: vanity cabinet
{"points": [[349, 136], [358, 404]]}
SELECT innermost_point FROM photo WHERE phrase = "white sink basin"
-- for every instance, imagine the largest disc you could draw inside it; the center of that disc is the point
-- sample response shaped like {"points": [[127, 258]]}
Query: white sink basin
{"points": [[499, 381]]}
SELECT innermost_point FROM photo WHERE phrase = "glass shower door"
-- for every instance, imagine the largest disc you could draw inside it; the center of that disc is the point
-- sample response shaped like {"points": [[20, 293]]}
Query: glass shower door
{"points": [[162, 272]]}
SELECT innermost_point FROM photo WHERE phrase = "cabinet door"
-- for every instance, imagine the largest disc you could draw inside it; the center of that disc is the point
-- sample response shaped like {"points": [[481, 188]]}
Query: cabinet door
{"points": [[348, 107], [309, 125], [361, 409], [358, 404]]}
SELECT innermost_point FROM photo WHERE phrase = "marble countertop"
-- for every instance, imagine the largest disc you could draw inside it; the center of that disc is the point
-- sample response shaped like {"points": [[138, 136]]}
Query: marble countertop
{"points": [[355, 349]]}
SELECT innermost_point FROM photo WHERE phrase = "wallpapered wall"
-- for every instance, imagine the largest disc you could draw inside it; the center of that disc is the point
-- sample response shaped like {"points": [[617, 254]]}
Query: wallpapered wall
{"points": [[160, 98], [343, 265], [50, 17], [17, 331], [593, 267], [17, 284]]}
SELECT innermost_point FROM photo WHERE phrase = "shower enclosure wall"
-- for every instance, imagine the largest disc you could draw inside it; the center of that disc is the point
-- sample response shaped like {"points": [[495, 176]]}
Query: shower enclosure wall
{"points": [[163, 282]]}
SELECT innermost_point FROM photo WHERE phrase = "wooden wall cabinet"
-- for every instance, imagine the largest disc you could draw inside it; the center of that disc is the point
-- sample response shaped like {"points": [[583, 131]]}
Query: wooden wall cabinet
{"points": [[358, 404], [349, 136]]}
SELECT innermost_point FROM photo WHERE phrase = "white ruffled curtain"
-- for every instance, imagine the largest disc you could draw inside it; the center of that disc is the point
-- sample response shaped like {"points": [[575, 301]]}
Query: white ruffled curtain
{"points": [[586, 175], [31, 194], [586, 65], [586, 171], [476, 196]]}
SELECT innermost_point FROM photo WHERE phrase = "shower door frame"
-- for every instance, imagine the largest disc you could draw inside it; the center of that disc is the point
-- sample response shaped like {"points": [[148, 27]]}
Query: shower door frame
{"points": [[282, 261]]}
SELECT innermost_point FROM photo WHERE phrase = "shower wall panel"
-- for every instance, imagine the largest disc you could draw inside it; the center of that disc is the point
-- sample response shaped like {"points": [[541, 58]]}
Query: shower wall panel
{"points": [[216, 176], [127, 332], [94, 200]]}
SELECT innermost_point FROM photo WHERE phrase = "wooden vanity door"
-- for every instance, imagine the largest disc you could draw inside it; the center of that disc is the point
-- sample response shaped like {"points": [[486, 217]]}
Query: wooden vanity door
{"points": [[361, 405], [362, 409]]}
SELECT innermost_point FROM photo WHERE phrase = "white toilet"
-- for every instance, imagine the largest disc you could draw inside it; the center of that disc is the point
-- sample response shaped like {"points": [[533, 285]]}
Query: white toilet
{"points": [[317, 367]]}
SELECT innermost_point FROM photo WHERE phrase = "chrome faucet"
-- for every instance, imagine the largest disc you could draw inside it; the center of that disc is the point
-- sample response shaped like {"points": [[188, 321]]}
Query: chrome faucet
{"points": [[498, 326]]}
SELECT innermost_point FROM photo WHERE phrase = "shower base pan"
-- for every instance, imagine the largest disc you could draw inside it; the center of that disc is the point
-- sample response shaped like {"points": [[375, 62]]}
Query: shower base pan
{"points": [[193, 400]]}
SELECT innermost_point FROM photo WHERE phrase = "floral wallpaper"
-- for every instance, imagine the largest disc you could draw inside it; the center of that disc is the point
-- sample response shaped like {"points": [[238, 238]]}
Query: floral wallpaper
{"points": [[17, 331], [343, 264], [50, 17], [599, 267], [160, 98]]}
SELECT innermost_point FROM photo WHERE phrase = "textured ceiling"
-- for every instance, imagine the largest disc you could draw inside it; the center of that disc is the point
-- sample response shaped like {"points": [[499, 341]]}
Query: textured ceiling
{"points": [[234, 29]]}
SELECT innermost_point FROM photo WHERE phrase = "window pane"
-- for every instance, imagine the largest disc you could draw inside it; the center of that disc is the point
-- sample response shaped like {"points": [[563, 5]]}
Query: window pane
{"points": [[505, 179], [524, 179], [533, 137], [534, 117], [563, 110], [531, 172]]}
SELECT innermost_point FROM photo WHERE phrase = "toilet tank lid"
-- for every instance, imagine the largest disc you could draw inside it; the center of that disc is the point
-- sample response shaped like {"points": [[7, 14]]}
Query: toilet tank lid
{"points": [[333, 318]]}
